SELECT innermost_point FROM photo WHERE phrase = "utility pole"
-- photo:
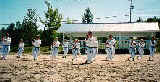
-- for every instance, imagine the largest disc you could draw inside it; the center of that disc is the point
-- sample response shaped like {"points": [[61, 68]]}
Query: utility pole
{"points": [[131, 8]]}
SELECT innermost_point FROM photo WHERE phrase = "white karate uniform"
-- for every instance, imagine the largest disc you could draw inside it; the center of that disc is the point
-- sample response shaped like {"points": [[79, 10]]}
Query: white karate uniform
{"points": [[65, 48], [141, 46], [109, 49], [133, 45], [75, 50], [113, 46], [152, 47], [36, 48], [54, 48], [92, 48], [6, 47], [20, 49]]}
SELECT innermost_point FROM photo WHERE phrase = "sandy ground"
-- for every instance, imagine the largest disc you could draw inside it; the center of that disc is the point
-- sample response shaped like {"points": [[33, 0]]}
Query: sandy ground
{"points": [[25, 69]]}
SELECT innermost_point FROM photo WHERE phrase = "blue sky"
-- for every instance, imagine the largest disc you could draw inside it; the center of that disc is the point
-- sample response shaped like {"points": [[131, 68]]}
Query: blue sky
{"points": [[15, 10]]}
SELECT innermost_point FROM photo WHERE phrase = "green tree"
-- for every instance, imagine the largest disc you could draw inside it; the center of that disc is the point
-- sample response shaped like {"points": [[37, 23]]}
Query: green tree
{"points": [[29, 25], [87, 17], [154, 19], [52, 23]]}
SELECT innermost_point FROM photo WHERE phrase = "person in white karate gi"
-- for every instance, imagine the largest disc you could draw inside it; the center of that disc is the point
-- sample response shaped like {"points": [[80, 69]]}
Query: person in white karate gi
{"points": [[110, 48], [152, 48], [65, 48], [92, 48], [141, 46], [21, 48], [6, 46], [75, 47], [36, 49], [133, 46], [1, 46], [113, 45], [55, 47]]}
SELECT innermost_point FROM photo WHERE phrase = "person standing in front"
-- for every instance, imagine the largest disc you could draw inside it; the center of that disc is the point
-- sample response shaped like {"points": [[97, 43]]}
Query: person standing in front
{"points": [[75, 47], [36, 49], [21, 48], [110, 47], [65, 48], [153, 44], [141, 46], [133, 45], [6, 46], [92, 48], [55, 48]]}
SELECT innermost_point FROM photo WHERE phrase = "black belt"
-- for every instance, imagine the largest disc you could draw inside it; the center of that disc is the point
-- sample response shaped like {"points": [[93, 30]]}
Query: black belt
{"points": [[92, 47], [55, 47], [37, 47]]}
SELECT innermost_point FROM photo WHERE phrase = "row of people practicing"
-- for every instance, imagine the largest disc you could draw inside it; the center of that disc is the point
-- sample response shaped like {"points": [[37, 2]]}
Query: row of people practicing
{"points": [[91, 47]]}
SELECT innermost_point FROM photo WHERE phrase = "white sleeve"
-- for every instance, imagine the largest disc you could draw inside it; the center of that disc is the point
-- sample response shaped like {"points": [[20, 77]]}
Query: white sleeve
{"points": [[23, 45], [39, 42]]}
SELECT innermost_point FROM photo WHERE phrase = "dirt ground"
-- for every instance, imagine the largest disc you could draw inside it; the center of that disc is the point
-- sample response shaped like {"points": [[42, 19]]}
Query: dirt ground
{"points": [[25, 69]]}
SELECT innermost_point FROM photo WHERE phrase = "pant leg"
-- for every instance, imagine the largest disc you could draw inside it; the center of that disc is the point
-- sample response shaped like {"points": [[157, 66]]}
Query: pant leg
{"points": [[5, 51], [152, 50], [108, 51], [94, 52], [130, 50], [20, 52], [111, 53], [37, 52], [65, 51], [75, 52], [86, 50], [141, 52], [89, 55], [113, 50], [55, 52], [132, 53]]}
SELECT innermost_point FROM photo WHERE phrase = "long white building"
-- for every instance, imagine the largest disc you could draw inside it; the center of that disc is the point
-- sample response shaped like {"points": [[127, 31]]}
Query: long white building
{"points": [[121, 31]]}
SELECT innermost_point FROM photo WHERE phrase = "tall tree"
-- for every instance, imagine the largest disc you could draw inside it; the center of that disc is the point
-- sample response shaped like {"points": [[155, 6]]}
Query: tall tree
{"points": [[87, 17], [154, 19], [52, 23], [29, 25]]}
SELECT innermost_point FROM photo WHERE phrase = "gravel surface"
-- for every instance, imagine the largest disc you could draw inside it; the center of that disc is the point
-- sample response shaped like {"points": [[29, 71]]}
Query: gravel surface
{"points": [[46, 69]]}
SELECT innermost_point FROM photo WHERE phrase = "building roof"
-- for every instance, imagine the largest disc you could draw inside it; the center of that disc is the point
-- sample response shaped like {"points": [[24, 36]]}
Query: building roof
{"points": [[110, 27], [105, 29]]}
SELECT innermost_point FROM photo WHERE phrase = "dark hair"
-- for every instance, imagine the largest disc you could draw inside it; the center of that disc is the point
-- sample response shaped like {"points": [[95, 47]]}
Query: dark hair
{"points": [[110, 36], [89, 32]]}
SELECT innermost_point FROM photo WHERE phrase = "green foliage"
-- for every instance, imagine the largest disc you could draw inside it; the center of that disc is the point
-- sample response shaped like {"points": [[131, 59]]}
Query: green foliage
{"points": [[87, 17], [158, 46], [52, 22], [29, 26], [154, 19]]}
